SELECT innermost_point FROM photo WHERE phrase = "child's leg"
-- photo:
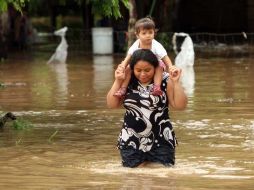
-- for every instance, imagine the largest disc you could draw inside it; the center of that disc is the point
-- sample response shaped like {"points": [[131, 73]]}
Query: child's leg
{"points": [[121, 92], [157, 81]]}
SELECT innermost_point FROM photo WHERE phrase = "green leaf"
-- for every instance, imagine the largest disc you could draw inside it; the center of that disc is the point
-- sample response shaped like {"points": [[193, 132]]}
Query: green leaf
{"points": [[17, 4], [107, 8], [3, 6]]}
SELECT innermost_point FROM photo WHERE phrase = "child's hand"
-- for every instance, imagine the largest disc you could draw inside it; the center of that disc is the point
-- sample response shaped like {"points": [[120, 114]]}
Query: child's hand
{"points": [[172, 70], [120, 72], [123, 64], [175, 73]]}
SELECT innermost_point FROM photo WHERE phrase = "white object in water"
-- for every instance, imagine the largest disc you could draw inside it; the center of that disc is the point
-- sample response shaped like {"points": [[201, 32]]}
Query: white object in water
{"points": [[185, 61], [188, 79], [186, 55], [60, 54]]}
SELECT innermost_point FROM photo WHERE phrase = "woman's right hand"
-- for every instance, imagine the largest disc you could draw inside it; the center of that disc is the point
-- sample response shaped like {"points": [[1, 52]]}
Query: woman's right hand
{"points": [[120, 72]]}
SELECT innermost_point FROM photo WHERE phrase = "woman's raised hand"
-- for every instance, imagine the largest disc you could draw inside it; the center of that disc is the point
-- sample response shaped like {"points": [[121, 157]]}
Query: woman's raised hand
{"points": [[175, 73], [120, 72]]}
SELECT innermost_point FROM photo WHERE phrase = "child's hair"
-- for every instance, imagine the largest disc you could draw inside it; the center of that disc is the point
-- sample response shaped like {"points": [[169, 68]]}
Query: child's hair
{"points": [[144, 55], [144, 23]]}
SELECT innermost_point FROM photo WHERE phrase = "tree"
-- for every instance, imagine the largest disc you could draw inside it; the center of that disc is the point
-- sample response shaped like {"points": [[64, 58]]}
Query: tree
{"points": [[17, 4], [106, 8], [132, 21]]}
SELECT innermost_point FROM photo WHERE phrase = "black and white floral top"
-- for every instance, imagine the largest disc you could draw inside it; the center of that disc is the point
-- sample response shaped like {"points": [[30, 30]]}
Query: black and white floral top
{"points": [[146, 121]]}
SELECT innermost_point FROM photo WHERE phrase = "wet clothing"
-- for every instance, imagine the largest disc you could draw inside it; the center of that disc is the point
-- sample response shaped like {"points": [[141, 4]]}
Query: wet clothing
{"points": [[146, 128], [133, 158]]}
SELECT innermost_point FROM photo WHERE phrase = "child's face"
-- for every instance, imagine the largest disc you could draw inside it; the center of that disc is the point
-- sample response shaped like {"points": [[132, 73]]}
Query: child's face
{"points": [[146, 35]]}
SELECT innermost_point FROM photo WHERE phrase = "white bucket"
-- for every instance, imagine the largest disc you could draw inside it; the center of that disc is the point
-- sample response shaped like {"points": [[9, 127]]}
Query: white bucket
{"points": [[102, 38]]}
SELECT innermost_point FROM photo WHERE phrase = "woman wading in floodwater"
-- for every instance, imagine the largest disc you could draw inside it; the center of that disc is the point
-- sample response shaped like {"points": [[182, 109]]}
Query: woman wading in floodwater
{"points": [[147, 134]]}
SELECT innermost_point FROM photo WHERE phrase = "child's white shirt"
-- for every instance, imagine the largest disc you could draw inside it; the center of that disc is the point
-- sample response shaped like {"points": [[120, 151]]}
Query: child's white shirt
{"points": [[156, 48]]}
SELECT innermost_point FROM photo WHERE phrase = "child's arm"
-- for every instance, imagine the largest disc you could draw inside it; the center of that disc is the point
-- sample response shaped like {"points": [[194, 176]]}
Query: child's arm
{"points": [[126, 60], [166, 60]]}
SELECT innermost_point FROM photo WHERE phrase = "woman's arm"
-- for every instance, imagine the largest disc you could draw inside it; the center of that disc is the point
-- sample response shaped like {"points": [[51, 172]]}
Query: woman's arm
{"points": [[175, 91], [113, 101]]}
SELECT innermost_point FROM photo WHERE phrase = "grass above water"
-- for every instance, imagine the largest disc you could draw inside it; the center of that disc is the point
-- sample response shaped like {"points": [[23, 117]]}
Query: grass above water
{"points": [[21, 124]]}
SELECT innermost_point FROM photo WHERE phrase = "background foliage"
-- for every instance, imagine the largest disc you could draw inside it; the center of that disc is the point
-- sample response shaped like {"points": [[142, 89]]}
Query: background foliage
{"points": [[16, 3]]}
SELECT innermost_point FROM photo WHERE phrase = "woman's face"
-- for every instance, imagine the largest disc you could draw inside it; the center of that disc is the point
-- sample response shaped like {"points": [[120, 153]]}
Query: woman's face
{"points": [[144, 72]]}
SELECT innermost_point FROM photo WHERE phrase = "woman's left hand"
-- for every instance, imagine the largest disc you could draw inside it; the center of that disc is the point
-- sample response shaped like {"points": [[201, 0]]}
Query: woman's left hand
{"points": [[175, 73], [177, 97]]}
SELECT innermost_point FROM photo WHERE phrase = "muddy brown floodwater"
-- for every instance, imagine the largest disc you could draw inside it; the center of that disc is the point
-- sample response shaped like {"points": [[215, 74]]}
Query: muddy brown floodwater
{"points": [[73, 142]]}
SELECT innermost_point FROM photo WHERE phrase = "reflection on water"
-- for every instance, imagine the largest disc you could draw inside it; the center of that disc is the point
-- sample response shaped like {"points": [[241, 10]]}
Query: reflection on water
{"points": [[62, 81], [215, 132], [188, 80], [103, 72]]}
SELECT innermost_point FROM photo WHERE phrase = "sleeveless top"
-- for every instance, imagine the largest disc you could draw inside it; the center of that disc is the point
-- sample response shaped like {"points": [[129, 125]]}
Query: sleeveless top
{"points": [[146, 121]]}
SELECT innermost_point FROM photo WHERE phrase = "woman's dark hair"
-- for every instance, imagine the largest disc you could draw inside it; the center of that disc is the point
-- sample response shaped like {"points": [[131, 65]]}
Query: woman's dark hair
{"points": [[143, 55]]}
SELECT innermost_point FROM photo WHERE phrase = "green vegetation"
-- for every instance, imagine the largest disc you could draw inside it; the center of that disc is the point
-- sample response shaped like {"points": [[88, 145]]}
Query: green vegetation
{"points": [[18, 4], [109, 8], [18, 141], [21, 124], [52, 136], [1, 85], [165, 39]]}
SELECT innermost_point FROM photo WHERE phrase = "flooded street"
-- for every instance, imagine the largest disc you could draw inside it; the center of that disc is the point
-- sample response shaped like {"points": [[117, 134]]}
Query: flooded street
{"points": [[73, 142]]}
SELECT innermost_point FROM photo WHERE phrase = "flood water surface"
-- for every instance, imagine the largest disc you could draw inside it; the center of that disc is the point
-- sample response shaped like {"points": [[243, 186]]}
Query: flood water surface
{"points": [[72, 144]]}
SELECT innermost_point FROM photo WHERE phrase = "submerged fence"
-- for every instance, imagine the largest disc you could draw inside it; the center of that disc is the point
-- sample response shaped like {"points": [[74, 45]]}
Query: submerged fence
{"points": [[229, 44]]}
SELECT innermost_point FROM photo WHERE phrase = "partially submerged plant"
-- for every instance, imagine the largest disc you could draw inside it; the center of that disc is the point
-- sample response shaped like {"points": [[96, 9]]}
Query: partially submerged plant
{"points": [[18, 141], [52, 136], [2, 85], [21, 124]]}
